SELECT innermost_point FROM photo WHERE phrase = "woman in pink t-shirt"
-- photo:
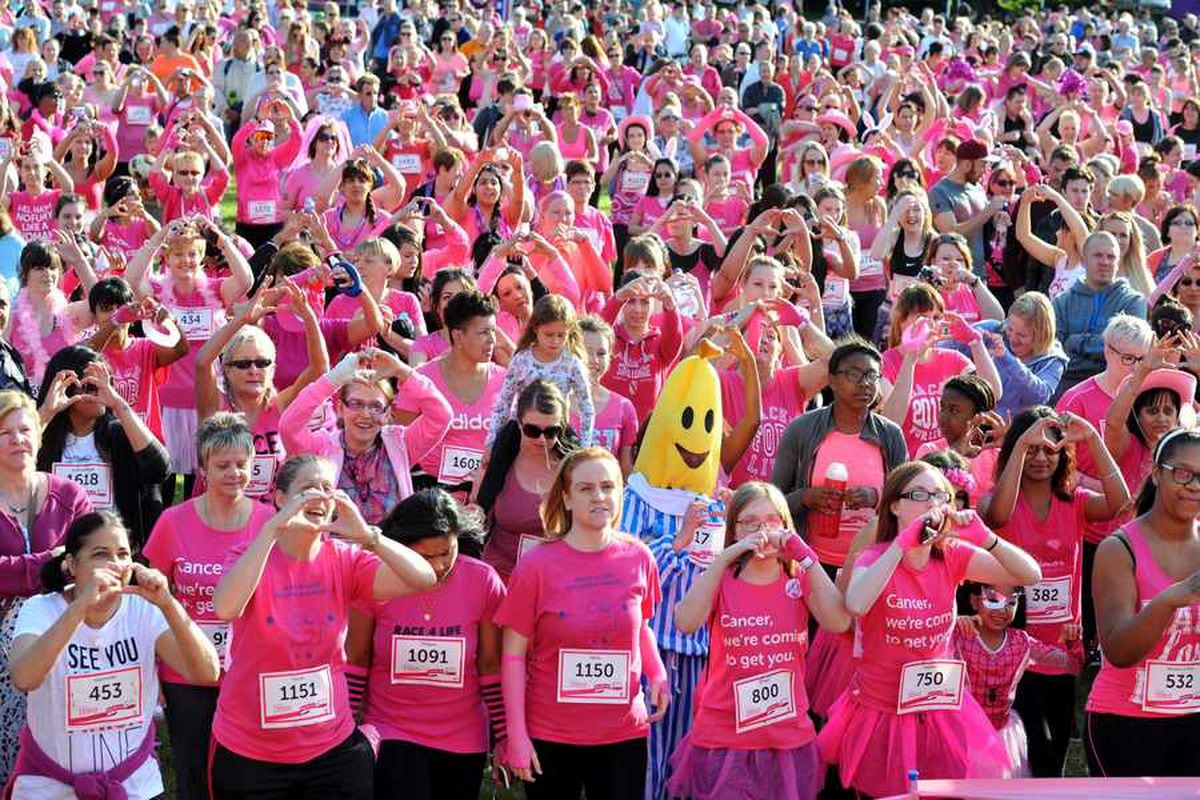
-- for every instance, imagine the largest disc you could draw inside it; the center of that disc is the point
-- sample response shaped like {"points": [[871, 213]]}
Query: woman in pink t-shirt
{"points": [[1038, 506], [491, 197], [283, 716], [42, 320], [915, 368], [189, 545], [1140, 711], [752, 736], [963, 292], [123, 223], [77, 152], [246, 356], [327, 144], [616, 423], [577, 642], [32, 208], [434, 659], [352, 209], [907, 687]]}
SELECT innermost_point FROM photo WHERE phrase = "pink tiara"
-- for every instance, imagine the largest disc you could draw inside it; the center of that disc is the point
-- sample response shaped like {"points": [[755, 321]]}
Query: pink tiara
{"points": [[961, 479]]}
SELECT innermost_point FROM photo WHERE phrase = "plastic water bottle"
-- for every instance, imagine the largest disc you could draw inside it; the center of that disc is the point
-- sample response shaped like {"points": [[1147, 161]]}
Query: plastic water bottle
{"points": [[709, 538], [685, 299], [819, 522]]}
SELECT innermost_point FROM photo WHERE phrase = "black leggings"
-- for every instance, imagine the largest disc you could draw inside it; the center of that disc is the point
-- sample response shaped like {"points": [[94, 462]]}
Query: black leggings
{"points": [[190, 712], [344, 772], [605, 771], [1089, 606], [1130, 747], [1046, 704], [866, 311], [414, 772]]}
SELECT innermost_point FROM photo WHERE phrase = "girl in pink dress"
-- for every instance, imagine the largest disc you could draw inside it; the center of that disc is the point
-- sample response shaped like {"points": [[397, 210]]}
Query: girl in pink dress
{"points": [[577, 643], [293, 585], [752, 736], [1141, 709], [907, 707]]}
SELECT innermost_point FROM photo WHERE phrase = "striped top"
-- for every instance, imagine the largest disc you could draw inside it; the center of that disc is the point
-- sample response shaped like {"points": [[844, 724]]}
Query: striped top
{"points": [[677, 572]]}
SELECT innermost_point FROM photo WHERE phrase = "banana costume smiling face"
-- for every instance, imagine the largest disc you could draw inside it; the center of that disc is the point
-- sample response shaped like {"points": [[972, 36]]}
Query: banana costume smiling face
{"points": [[681, 448]]}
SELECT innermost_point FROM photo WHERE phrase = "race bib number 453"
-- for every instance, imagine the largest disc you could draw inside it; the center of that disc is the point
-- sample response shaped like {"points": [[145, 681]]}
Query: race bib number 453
{"points": [[109, 699]]}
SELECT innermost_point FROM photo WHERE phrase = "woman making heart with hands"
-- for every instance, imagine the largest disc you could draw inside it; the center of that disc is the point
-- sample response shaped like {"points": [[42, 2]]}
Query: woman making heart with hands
{"points": [[907, 686]]}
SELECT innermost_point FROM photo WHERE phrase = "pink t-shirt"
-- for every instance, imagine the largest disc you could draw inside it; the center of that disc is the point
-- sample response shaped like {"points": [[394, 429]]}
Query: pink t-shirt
{"points": [[463, 446], [300, 184], [651, 208], [1056, 543], [192, 555], [911, 620], [199, 314], [347, 237], [137, 378], [431, 345], [33, 216], [407, 700], [962, 302], [291, 348], [729, 213], [583, 612], [1089, 400], [616, 424], [864, 464], [285, 699], [753, 695], [782, 402], [921, 423], [403, 304], [127, 237]]}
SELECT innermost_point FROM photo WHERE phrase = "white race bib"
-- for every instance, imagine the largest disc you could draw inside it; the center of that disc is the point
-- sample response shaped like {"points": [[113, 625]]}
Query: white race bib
{"points": [[109, 699], [262, 210], [262, 473], [6, 146], [869, 266], [837, 290], [708, 540], [763, 700], [220, 634], [196, 324], [457, 464], [138, 115], [1189, 151], [94, 477], [295, 698], [634, 182], [899, 284], [1172, 687], [429, 660], [527, 543], [407, 163], [593, 676], [932, 685], [1049, 601]]}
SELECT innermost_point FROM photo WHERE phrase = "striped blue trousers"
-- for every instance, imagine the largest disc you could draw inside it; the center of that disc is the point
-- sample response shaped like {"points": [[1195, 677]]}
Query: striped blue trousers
{"points": [[684, 673]]}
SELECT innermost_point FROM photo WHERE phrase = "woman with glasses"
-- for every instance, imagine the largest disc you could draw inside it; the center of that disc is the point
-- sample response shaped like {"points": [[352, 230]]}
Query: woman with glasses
{"points": [[259, 157], [659, 193], [907, 686], [326, 143], [1039, 506], [372, 459], [846, 432], [1178, 230], [1147, 587], [813, 168], [523, 463], [247, 359], [762, 744]]}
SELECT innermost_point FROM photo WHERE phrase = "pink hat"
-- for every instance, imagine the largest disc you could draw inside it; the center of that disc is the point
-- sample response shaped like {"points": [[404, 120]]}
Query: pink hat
{"points": [[839, 119], [1124, 127], [264, 126], [645, 122], [1181, 383]]}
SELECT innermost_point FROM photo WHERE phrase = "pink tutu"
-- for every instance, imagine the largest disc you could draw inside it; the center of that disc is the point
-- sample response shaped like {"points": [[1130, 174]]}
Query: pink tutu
{"points": [[828, 669], [1016, 745], [703, 774], [874, 750]]}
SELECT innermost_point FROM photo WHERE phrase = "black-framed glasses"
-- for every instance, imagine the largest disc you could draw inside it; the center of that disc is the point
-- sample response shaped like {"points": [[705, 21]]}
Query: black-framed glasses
{"points": [[858, 376], [1126, 358], [247, 363], [1182, 476], [923, 496], [531, 431]]}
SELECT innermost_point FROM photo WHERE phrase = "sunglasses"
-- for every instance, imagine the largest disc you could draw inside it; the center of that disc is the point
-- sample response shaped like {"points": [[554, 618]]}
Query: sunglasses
{"points": [[1004, 184], [532, 431], [1189, 282], [188, 172], [326, 137], [84, 388], [247, 363], [907, 174], [373, 407]]}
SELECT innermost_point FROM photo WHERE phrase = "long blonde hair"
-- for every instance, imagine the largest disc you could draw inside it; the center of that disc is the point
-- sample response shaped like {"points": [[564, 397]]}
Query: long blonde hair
{"points": [[1132, 264], [548, 309]]}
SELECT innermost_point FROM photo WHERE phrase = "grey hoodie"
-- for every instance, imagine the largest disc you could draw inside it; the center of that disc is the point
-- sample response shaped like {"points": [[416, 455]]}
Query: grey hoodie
{"points": [[1081, 313]]}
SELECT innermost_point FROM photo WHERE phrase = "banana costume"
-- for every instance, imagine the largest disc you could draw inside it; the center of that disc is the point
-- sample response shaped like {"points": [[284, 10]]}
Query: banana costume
{"points": [[677, 463]]}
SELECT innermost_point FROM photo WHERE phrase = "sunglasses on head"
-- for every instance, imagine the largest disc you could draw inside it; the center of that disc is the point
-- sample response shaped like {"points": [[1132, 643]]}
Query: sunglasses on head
{"points": [[247, 363], [532, 431]]}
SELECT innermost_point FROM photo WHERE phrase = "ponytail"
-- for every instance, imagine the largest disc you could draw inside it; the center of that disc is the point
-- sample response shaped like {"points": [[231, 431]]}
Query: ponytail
{"points": [[53, 576], [370, 210]]}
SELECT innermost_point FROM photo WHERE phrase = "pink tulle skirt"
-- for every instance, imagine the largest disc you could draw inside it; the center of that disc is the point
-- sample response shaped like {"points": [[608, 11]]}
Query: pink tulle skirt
{"points": [[703, 774], [1012, 734], [874, 750], [828, 669]]}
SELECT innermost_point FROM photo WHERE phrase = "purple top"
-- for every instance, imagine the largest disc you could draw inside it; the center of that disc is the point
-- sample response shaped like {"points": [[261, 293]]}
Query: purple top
{"points": [[515, 513], [20, 565]]}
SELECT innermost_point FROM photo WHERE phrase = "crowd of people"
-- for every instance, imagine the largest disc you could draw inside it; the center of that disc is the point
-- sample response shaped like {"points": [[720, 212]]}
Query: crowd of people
{"points": [[683, 399]]}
